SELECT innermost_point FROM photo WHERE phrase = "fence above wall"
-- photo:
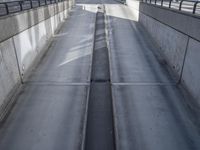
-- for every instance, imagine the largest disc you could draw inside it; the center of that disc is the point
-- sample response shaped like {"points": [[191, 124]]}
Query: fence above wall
{"points": [[190, 6], [7, 8]]}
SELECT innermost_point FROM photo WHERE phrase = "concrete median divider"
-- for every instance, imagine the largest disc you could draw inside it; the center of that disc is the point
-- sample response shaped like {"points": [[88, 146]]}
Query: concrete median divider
{"points": [[177, 36], [24, 38]]}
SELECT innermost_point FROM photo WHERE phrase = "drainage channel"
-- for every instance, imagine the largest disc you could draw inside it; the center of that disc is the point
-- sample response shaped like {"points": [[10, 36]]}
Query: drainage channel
{"points": [[99, 130]]}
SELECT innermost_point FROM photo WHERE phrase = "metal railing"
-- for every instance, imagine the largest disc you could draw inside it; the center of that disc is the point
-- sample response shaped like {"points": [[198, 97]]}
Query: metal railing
{"points": [[7, 8], [190, 6]]}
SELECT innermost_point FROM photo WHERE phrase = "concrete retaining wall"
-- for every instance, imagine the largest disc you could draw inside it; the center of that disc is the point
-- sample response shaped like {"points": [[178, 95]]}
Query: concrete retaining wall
{"points": [[24, 38], [191, 69], [172, 44], [177, 35], [9, 74]]}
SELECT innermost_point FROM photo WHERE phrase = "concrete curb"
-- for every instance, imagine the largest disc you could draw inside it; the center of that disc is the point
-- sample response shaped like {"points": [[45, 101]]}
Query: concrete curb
{"points": [[116, 135], [88, 93]]}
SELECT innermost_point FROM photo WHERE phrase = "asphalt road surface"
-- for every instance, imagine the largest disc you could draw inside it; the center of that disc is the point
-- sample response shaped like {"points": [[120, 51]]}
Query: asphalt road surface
{"points": [[133, 96]]}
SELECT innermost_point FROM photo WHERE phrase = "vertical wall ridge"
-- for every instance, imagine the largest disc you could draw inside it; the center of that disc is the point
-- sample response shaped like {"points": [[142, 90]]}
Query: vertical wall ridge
{"points": [[25, 38]]}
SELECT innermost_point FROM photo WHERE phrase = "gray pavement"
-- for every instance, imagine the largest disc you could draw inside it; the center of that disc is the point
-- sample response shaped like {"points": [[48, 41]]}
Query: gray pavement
{"points": [[152, 117], [132, 58], [69, 58], [49, 113], [149, 109]]}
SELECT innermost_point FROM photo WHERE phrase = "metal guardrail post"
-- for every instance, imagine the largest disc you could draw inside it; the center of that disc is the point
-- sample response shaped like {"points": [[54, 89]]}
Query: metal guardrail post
{"points": [[161, 2], [20, 4], [195, 7], [31, 3], [180, 5], [7, 9], [170, 3]]}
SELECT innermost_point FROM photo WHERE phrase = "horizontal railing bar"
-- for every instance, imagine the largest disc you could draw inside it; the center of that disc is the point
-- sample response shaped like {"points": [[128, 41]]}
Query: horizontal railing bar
{"points": [[17, 6], [178, 4]]}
